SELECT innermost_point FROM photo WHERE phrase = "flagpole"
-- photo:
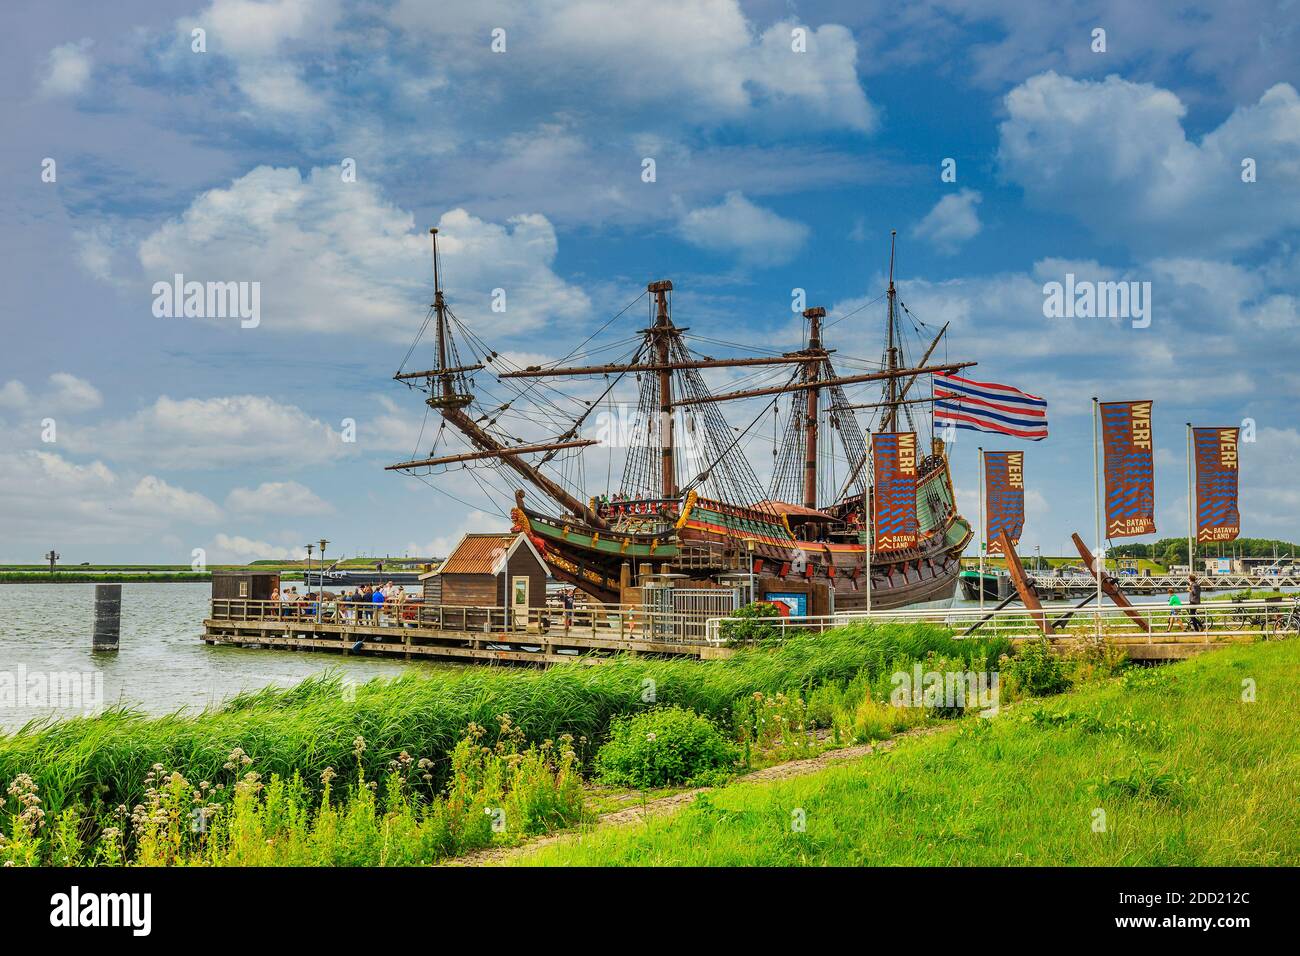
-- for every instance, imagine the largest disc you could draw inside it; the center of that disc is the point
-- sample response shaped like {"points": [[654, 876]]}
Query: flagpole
{"points": [[871, 526], [871, 541], [1191, 533], [983, 530], [1099, 562]]}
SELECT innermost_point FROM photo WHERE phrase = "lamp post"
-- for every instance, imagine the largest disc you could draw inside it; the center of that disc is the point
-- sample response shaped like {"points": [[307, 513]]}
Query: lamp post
{"points": [[306, 578], [320, 581]]}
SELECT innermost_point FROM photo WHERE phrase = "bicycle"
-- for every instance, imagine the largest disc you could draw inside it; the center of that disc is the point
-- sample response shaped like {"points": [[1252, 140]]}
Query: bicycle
{"points": [[1292, 620]]}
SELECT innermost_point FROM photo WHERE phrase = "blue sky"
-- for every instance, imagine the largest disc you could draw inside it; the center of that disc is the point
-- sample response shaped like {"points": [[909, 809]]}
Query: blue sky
{"points": [[775, 170]]}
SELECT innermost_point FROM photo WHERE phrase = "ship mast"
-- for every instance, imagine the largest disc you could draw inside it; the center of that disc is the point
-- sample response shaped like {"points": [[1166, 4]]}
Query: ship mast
{"points": [[451, 403], [889, 421], [661, 334], [812, 375]]}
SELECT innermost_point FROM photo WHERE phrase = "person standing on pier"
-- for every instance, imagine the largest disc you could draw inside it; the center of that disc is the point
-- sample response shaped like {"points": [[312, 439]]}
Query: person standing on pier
{"points": [[567, 601], [1193, 601], [1175, 610]]}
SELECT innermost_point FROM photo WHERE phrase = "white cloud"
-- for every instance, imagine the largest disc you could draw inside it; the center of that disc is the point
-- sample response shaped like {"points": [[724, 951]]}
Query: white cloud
{"points": [[155, 496], [64, 393], [442, 545], [336, 257], [627, 53], [69, 392], [260, 36], [398, 428], [214, 433], [49, 500], [277, 498], [952, 221], [1231, 312], [1240, 46], [67, 69], [736, 226], [1268, 476], [237, 549], [1114, 154], [14, 394], [95, 251]]}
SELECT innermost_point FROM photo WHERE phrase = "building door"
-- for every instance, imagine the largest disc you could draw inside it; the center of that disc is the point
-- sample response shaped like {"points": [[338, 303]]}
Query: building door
{"points": [[519, 600]]}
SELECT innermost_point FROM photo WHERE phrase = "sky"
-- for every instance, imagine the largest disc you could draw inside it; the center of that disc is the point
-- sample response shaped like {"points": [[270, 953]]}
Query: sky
{"points": [[303, 148]]}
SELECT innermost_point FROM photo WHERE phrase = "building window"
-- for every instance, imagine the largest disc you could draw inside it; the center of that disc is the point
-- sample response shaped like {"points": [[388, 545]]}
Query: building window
{"points": [[243, 589]]}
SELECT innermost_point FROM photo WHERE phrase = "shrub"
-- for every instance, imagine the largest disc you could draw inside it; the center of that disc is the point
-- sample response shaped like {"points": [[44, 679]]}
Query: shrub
{"points": [[1035, 670], [751, 629], [664, 747]]}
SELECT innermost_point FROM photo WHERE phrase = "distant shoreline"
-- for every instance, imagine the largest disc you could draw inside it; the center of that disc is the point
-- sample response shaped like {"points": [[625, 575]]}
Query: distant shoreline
{"points": [[127, 577]]}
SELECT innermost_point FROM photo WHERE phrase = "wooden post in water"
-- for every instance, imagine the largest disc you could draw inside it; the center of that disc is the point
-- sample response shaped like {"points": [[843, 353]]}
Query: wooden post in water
{"points": [[108, 617]]}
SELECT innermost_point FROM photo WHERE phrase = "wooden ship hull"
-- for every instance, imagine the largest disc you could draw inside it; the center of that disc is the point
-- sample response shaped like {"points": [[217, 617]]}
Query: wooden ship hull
{"points": [[703, 538]]}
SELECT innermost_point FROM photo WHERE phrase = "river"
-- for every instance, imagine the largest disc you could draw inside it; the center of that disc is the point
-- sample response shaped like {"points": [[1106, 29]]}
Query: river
{"points": [[162, 665]]}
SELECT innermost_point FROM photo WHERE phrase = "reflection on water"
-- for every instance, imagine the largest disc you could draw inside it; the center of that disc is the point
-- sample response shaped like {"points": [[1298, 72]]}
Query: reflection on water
{"points": [[162, 665]]}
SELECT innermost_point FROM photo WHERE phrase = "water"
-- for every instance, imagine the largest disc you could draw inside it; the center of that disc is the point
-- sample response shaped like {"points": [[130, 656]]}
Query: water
{"points": [[162, 665]]}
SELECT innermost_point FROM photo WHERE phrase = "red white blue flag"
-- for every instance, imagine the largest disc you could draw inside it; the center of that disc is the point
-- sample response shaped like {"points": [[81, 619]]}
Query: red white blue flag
{"points": [[988, 407]]}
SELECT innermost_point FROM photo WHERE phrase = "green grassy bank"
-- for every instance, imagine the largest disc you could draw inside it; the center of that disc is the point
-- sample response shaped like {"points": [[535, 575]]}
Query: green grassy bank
{"points": [[1158, 767], [307, 728]]}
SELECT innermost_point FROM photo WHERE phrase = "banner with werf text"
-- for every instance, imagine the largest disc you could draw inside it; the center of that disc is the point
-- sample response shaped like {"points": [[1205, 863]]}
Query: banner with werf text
{"points": [[893, 457], [1217, 518], [1130, 470], [1004, 497]]}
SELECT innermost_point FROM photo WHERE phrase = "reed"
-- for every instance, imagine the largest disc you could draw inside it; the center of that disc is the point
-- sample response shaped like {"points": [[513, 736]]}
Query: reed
{"points": [[103, 760]]}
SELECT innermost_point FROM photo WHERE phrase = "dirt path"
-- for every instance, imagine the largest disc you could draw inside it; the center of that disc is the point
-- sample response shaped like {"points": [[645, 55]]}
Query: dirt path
{"points": [[495, 856]]}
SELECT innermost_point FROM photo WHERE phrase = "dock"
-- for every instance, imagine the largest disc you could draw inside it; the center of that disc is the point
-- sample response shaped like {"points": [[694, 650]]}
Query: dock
{"points": [[538, 636]]}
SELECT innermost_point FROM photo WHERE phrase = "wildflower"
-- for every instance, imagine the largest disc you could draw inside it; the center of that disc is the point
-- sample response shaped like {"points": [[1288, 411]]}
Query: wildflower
{"points": [[650, 737]]}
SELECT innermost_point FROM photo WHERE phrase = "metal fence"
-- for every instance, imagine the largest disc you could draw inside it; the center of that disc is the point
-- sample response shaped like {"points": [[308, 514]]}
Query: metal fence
{"points": [[1153, 622]]}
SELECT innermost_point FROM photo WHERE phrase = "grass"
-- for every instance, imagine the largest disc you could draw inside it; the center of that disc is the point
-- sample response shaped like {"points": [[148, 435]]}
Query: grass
{"points": [[1159, 767], [307, 728], [121, 788]]}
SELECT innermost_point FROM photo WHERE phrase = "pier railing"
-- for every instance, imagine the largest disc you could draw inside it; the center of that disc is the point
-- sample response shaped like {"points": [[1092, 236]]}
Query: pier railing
{"points": [[1207, 621], [1164, 583], [613, 622]]}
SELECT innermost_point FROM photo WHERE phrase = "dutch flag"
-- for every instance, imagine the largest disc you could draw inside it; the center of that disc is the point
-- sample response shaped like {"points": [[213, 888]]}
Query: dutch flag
{"points": [[988, 407]]}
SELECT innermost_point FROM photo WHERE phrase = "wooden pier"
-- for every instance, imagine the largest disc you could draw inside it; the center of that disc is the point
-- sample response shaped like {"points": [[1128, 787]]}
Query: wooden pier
{"points": [[482, 634]]}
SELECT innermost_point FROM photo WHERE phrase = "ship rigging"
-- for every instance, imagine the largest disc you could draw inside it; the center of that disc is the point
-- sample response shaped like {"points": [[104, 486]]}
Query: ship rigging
{"points": [[687, 494]]}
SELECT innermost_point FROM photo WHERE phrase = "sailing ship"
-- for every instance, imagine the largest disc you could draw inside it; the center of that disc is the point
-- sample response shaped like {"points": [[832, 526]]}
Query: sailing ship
{"points": [[688, 500]]}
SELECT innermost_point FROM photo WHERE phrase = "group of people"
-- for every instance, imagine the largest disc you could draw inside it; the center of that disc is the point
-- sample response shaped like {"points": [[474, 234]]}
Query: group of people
{"points": [[290, 603], [366, 604], [373, 604]]}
